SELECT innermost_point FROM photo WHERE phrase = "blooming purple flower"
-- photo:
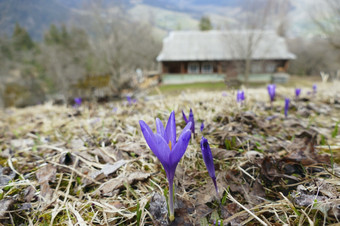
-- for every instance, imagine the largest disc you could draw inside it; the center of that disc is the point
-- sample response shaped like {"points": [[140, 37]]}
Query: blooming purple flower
{"points": [[191, 119], [297, 92], [240, 96], [287, 100], [168, 150], [224, 93], [208, 160], [202, 126], [314, 88], [271, 91], [77, 101]]}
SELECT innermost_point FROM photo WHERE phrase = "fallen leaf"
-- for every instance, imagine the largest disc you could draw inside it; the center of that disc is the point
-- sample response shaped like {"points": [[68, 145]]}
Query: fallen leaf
{"points": [[22, 143], [29, 193], [222, 154], [108, 187], [158, 209], [5, 204], [302, 150], [6, 174], [44, 175], [107, 170]]}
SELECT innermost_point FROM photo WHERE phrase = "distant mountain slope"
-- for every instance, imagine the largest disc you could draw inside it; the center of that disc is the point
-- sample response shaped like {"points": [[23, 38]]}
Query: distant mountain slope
{"points": [[163, 18], [34, 15], [37, 15]]}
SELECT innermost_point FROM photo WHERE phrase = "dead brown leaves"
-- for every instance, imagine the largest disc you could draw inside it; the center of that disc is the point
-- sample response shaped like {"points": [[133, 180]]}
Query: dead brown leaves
{"points": [[92, 165], [45, 175]]}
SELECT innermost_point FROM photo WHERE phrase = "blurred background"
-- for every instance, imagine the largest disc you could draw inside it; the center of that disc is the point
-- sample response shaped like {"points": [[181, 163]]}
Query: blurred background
{"points": [[58, 50]]}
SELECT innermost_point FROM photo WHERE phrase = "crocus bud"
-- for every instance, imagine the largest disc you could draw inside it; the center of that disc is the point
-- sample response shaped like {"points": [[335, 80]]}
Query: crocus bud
{"points": [[240, 96], [314, 88], [77, 101], [286, 106], [208, 160], [271, 91], [191, 119], [297, 92]]}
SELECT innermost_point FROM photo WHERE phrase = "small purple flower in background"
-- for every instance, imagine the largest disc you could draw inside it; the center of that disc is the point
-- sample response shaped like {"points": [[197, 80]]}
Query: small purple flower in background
{"points": [[208, 160], [191, 119], [271, 91], [314, 88], [240, 96], [269, 118], [286, 106], [115, 109], [297, 92], [202, 126], [168, 150], [224, 93], [77, 102], [128, 98]]}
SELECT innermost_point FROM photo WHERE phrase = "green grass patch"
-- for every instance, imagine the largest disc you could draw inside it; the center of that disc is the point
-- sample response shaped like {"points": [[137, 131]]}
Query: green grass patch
{"points": [[176, 88]]}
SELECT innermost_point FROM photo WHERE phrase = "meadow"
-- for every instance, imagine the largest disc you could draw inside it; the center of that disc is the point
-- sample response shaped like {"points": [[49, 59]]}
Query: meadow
{"points": [[90, 165]]}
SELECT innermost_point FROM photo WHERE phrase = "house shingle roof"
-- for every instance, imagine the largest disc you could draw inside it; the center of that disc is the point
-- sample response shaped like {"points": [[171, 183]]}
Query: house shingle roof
{"points": [[223, 45]]}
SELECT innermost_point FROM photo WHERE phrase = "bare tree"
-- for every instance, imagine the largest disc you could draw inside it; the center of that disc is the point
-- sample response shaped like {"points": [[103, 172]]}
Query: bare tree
{"points": [[119, 44], [64, 55], [257, 17], [326, 16], [313, 55]]}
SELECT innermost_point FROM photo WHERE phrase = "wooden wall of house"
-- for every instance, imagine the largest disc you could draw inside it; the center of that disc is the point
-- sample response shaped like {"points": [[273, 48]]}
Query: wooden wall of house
{"points": [[230, 68]]}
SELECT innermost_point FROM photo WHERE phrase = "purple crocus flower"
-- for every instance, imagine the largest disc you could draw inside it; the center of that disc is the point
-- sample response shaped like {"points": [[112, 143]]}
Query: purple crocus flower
{"points": [[208, 160], [314, 88], [129, 100], [271, 91], [287, 100], [77, 101], [191, 119], [202, 126], [297, 92], [168, 150], [240, 96]]}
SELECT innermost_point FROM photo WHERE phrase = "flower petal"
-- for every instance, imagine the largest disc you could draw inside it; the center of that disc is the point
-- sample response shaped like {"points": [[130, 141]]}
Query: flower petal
{"points": [[148, 135], [160, 127], [187, 127], [192, 120], [170, 130], [162, 151], [184, 117], [180, 148], [207, 157]]}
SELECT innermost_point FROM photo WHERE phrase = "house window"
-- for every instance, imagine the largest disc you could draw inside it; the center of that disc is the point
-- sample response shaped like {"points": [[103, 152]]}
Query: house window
{"points": [[256, 67], [193, 68], [207, 67], [270, 67]]}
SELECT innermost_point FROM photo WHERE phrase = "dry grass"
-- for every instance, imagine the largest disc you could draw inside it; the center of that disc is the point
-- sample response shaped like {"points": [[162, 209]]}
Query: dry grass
{"points": [[59, 164]]}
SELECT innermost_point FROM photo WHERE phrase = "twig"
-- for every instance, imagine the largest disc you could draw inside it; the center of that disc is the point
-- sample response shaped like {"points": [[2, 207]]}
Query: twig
{"points": [[248, 211]]}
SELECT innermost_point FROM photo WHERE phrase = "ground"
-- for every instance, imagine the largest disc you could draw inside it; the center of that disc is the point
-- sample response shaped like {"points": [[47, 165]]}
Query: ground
{"points": [[91, 165]]}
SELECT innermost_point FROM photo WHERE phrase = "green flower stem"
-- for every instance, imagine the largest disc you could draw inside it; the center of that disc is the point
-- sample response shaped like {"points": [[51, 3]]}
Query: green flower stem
{"points": [[171, 202]]}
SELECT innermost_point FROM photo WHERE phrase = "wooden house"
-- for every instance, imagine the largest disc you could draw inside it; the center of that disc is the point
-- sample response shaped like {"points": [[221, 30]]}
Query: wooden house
{"points": [[191, 56]]}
